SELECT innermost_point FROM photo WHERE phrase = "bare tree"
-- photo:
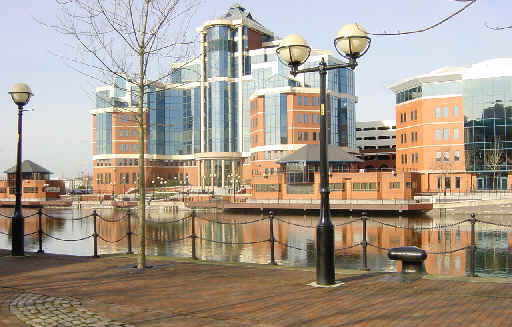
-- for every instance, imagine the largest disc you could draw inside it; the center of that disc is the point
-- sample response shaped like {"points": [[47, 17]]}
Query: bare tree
{"points": [[494, 158], [130, 39], [444, 165]]}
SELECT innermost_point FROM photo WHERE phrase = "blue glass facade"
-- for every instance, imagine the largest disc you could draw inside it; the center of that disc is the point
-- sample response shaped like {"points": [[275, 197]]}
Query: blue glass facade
{"points": [[488, 128], [104, 133], [276, 124]]}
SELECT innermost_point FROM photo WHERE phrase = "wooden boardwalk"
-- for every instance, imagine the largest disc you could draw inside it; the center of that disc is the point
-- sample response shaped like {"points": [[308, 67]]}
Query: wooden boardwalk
{"points": [[186, 293]]}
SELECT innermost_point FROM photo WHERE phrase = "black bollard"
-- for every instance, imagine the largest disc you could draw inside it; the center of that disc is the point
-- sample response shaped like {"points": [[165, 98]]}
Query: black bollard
{"points": [[472, 247], [40, 230], [130, 251], [364, 243], [194, 256], [272, 239], [95, 235]]}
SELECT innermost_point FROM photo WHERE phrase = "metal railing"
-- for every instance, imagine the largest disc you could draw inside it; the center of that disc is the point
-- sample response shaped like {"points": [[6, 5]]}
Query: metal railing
{"points": [[272, 240]]}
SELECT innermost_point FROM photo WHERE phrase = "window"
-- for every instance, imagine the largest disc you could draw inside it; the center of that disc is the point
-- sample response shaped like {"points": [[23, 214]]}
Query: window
{"points": [[314, 136], [315, 118], [299, 100], [306, 100], [445, 112], [447, 182], [134, 178], [438, 156], [438, 134], [306, 136], [446, 134], [306, 118], [314, 100], [30, 190], [134, 147], [456, 133], [266, 155], [439, 182], [457, 182], [415, 114], [456, 156], [438, 112], [299, 136], [446, 156], [394, 185], [455, 111], [299, 119], [121, 147]]}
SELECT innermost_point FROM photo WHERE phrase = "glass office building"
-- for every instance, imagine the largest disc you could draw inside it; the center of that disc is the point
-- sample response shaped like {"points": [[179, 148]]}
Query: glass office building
{"points": [[203, 114]]}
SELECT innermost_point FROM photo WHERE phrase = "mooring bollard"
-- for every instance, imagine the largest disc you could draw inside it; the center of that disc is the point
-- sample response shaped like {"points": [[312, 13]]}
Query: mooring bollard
{"points": [[473, 246], [130, 251], [40, 230], [95, 235], [364, 243], [272, 239], [194, 235]]}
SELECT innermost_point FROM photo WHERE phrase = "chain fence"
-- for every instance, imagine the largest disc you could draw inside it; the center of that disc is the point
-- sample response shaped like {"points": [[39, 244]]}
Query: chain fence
{"points": [[191, 219]]}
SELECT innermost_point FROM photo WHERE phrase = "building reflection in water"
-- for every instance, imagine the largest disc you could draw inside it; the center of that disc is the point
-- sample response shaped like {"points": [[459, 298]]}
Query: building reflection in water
{"points": [[493, 255]]}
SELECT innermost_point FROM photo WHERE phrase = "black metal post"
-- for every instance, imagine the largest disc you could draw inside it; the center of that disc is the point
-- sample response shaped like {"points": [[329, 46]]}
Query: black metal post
{"points": [[40, 230], [472, 247], [95, 235], [324, 229], [272, 239], [364, 243], [194, 256], [18, 222], [130, 250]]}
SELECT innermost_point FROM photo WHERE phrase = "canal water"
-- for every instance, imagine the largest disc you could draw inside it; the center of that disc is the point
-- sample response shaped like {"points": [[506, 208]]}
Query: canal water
{"points": [[235, 237]]}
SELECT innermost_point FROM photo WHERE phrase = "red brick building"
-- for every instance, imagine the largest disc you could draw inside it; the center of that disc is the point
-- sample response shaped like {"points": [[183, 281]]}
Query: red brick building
{"points": [[36, 184]]}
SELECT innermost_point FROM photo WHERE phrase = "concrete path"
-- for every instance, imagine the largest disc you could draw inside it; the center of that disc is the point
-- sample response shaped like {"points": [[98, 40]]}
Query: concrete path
{"points": [[51, 290]]}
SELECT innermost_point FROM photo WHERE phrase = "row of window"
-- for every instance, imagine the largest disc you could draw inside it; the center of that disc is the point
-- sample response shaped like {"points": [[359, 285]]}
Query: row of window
{"points": [[127, 118], [445, 134], [124, 178], [414, 158], [413, 115], [447, 182], [446, 112], [12, 190], [304, 100], [414, 137], [126, 147], [126, 132], [445, 156], [315, 118], [268, 155], [304, 136]]}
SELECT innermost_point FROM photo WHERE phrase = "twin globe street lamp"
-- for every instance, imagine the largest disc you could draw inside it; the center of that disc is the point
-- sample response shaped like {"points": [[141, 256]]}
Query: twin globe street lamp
{"points": [[351, 42], [20, 94]]}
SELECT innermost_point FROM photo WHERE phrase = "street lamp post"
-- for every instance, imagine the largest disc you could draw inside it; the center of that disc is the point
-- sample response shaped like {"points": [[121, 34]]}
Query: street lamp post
{"points": [[20, 94], [351, 42]]}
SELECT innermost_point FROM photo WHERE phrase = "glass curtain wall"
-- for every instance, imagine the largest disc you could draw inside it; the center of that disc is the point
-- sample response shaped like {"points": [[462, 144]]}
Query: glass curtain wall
{"points": [[104, 133], [488, 128]]}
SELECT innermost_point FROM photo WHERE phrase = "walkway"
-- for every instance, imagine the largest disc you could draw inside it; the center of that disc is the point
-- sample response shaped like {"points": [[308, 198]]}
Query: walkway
{"points": [[110, 292]]}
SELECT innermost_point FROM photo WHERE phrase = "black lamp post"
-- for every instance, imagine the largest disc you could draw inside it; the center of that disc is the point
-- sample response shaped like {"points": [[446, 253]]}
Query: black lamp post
{"points": [[20, 94], [351, 42]]}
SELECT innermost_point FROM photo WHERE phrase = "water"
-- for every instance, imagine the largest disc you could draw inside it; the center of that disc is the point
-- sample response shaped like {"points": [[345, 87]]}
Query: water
{"points": [[493, 256]]}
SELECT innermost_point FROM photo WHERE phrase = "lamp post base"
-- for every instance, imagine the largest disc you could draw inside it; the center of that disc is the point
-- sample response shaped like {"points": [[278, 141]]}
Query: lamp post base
{"points": [[325, 255]]}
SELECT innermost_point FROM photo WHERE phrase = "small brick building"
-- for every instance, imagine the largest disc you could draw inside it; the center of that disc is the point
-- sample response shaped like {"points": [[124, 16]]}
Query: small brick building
{"points": [[36, 184]]}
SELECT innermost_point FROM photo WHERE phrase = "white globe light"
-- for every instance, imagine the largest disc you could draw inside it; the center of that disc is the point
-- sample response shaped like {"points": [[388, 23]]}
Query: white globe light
{"points": [[352, 40], [20, 93], [293, 49]]}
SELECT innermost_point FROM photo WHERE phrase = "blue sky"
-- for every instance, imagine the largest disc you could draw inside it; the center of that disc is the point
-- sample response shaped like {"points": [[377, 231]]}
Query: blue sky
{"points": [[57, 134]]}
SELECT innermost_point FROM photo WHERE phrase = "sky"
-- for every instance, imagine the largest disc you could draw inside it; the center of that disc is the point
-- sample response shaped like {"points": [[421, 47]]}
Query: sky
{"points": [[57, 133]]}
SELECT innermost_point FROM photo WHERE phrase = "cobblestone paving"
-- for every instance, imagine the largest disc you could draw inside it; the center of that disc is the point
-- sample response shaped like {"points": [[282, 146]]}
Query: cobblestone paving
{"points": [[48, 311]]}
